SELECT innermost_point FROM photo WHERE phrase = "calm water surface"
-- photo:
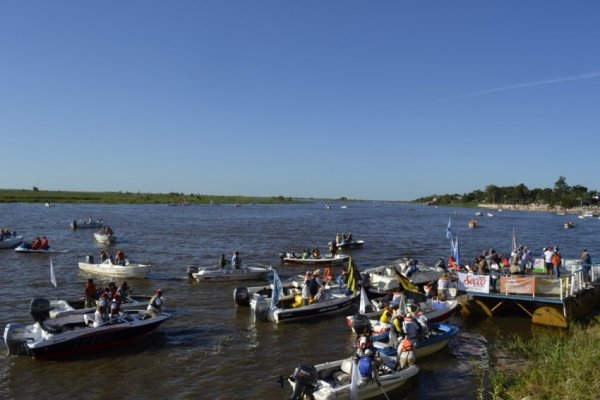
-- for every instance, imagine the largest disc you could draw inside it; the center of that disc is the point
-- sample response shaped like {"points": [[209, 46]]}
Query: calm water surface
{"points": [[210, 349]]}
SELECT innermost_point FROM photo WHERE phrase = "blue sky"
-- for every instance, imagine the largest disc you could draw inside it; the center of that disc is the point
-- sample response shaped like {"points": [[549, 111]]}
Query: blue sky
{"points": [[382, 100]]}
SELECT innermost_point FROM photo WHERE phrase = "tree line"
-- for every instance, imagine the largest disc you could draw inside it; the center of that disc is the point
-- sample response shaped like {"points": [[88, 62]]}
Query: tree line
{"points": [[561, 195]]}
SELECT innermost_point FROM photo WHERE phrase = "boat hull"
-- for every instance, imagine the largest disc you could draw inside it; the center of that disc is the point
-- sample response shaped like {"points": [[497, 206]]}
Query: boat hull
{"points": [[337, 260], [116, 271]]}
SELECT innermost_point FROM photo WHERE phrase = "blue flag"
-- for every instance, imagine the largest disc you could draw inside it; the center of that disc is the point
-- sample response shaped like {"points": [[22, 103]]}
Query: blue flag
{"points": [[449, 232]]}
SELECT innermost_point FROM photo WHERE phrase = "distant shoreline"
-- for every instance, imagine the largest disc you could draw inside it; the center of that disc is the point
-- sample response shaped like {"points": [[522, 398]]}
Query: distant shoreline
{"points": [[539, 208]]}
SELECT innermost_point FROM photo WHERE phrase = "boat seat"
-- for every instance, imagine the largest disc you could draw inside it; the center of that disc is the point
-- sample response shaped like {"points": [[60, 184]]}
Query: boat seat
{"points": [[344, 376]]}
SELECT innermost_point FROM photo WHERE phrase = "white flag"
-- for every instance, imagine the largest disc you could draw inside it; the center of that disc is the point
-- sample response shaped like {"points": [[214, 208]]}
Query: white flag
{"points": [[52, 277], [354, 382], [364, 301]]}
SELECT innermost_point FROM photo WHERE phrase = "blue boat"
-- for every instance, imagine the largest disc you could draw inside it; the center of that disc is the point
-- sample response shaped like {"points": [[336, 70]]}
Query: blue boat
{"points": [[438, 338]]}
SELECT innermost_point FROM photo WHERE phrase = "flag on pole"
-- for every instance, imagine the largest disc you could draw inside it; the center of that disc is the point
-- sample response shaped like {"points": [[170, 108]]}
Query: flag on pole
{"points": [[277, 290], [52, 277], [456, 251], [515, 245], [354, 382], [406, 283], [352, 276], [449, 232], [364, 301]]}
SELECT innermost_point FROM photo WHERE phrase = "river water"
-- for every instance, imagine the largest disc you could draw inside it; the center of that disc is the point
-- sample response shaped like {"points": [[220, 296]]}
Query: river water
{"points": [[210, 348]]}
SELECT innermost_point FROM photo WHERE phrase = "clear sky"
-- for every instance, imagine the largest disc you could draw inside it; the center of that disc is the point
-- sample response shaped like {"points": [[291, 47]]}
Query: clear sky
{"points": [[381, 100]]}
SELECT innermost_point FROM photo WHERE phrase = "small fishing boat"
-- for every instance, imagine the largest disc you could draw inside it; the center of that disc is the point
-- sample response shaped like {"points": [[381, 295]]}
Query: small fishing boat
{"points": [[87, 224], [338, 259], [217, 274], [10, 242], [438, 337], [473, 223], [26, 248], [75, 335], [569, 225], [338, 379], [384, 279], [105, 237], [108, 268], [349, 244]]}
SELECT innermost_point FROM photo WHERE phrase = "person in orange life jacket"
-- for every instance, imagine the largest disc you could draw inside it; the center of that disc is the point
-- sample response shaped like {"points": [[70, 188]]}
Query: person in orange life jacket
{"points": [[115, 306], [91, 293], [37, 244], [406, 355], [120, 258], [156, 303], [368, 366], [556, 262], [45, 244]]}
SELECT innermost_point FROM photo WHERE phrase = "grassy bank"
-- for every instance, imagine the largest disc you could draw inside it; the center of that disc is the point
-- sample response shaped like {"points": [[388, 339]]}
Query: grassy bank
{"points": [[557, 367], [43, 196]]}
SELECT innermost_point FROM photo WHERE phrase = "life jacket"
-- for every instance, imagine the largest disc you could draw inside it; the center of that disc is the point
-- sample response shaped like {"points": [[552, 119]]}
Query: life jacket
{"points": [[365, 367], [368, 344], [406, 345]]}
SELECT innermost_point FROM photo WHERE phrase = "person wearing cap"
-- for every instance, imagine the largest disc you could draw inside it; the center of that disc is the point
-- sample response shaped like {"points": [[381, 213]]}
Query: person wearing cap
{"points": [[586, 264], [115, 306], [91, 293], [155, 304]]}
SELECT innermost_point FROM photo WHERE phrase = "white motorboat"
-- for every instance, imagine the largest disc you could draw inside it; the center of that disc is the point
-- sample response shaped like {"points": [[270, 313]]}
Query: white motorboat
{"points": [[105, 237], [217, 274], [10, 242], [87, 224], [75, 335], [338, 259], [384, 279], [108, 268], [334, 380], [62, 308], [26, 248]]}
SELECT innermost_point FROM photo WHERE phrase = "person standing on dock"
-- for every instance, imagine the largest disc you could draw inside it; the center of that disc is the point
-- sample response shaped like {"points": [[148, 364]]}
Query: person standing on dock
{"points": [[548, 253], [586, 264]]}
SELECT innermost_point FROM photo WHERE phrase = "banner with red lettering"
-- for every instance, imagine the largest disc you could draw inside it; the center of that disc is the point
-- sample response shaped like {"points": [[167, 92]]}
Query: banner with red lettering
{"points": [[473, 283]]}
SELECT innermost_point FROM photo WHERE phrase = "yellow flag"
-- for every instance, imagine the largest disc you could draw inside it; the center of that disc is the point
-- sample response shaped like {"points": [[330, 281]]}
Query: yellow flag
{"points": [[406, 283], [352, 275]]}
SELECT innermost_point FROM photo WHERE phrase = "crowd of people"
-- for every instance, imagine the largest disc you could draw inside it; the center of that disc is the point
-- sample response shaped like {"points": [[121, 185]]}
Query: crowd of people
{"points": [[118, 259], [108, 300], [6, 233]]}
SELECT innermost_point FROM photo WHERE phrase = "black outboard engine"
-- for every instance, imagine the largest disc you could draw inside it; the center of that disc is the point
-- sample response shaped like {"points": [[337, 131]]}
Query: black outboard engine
{"points": [[305, 379], [89, 259], [39, 309], [191, 270], [360, 324], [241, 296]]}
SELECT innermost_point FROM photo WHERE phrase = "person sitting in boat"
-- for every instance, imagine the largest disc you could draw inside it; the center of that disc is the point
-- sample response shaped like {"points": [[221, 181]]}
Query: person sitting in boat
{"points": [[236, 261], [406, 355], [333, 248], [112, 289], [364, 343], [396, 329], [103, 255], [411, 267], [120, 258], [155, 304], [115, 306], [429, 290], [101, 314], [45, 243], [328, 275], [91, 293], [338, 239], [37, 244], [316, 253], [342, 279], [349, 238], [387, 314], [222, 261], [124, 290], [423, 323], [306, 288], [368, 366], [305, 254], [411, 328]]}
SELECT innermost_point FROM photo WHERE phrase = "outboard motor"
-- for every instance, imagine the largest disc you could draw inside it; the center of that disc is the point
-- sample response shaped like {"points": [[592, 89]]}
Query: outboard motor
{"points": [[191, 270], [241, 296], [360, 324], [89, 259], [260, 306], [39, 309], [305, 381]]}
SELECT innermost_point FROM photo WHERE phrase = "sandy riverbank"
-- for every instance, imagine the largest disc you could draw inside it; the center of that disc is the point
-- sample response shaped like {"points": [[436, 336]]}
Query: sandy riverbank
{"points": [[541, 208]]}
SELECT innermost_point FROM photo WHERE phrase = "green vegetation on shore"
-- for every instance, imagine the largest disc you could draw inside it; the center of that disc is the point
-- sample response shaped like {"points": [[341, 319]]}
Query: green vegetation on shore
{"points": [[561, 196], [557, 367], [44, 196]]}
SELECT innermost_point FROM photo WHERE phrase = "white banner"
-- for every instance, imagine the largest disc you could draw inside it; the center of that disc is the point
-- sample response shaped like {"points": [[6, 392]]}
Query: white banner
{"points": [[473, 283]]}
